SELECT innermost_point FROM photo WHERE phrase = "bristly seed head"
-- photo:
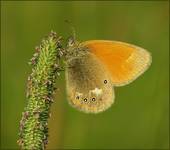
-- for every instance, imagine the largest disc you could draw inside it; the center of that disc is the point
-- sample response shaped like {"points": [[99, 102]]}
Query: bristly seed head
{"points": [[40, 87], [60, 53], [25, 114], [37, 49], [58, 74], [56, 66], [20, 142]]}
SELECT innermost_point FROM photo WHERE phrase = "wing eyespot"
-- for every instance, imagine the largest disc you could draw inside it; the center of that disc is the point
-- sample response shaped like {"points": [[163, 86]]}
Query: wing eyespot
{"points": [[93, 99], [105, 81], [85, 99]]}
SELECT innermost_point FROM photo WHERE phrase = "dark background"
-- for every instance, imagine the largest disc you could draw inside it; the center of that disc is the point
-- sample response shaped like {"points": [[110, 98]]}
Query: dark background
{"points": [[139, 118]]}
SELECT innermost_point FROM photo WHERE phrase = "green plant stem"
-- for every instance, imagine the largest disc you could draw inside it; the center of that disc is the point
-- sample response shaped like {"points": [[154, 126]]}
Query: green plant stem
{"points": [[40, 88]]}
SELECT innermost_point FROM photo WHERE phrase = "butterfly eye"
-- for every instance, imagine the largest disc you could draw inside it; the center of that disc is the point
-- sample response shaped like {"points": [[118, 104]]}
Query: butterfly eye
{"points": [[93, 99], [85, 99], [105, 81]]}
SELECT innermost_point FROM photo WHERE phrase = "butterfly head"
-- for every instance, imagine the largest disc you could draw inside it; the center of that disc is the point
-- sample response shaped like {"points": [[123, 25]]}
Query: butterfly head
{"points": [[71, 41], [74, 48]]}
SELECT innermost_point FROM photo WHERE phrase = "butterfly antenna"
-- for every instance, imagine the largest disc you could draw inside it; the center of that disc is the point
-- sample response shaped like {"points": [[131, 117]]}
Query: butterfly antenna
{"points": [[72, 29]]}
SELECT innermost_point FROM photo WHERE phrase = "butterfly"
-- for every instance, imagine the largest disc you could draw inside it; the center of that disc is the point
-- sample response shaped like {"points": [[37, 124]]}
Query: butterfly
{"points": [[95, 67]]}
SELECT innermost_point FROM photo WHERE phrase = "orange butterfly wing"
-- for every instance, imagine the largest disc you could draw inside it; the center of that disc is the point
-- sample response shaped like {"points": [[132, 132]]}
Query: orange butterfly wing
{"points": [[124, 61]]}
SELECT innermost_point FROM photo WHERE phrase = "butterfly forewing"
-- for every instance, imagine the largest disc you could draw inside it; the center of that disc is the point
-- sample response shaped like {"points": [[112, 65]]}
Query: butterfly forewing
{"points": [[124, 61]]}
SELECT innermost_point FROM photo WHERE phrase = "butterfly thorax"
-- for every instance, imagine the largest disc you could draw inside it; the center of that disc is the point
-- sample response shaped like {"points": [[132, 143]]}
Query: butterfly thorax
{"points": [[74, 49]]}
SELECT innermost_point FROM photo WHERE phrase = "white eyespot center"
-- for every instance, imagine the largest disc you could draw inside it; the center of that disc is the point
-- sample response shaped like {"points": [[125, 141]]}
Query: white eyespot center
{"points": [[97, 91], [93, 99]]}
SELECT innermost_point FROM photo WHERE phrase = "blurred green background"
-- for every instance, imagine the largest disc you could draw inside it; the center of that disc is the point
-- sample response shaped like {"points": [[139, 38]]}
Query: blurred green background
{"points": [[139, 118]]}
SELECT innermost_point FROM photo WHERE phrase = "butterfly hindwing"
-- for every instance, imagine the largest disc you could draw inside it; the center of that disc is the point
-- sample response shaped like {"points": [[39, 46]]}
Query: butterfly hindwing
{"points": [[89, 85]]}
